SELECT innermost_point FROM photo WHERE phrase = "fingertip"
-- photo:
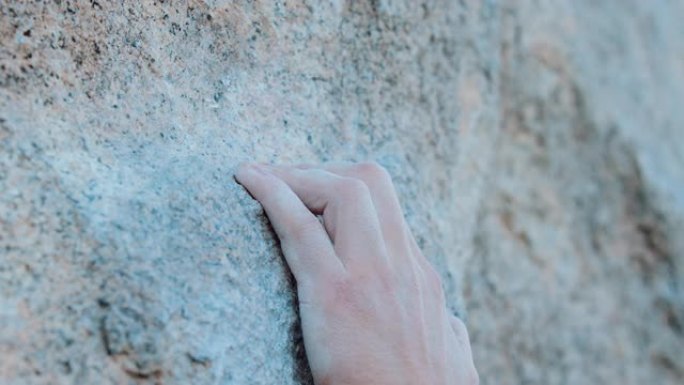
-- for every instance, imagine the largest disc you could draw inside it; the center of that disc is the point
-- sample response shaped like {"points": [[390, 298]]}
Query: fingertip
{"points": [[247, 172], [253, 180], [459, 327], [238, 174], [242, 172]]}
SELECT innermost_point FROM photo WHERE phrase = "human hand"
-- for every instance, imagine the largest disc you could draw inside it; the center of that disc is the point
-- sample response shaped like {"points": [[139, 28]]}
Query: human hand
{"points": [[372, 307]]}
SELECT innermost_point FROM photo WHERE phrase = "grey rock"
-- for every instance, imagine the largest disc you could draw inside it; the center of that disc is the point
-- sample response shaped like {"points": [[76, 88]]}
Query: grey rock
{"points": [[577, 270], [535, 148]]}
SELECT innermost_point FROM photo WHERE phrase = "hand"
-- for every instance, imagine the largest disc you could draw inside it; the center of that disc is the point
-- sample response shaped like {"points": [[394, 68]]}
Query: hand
{"points": [[371, 305]]}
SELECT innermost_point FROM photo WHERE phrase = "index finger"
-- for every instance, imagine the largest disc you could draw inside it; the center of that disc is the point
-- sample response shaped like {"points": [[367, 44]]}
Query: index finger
{"points": [[305, 243]]}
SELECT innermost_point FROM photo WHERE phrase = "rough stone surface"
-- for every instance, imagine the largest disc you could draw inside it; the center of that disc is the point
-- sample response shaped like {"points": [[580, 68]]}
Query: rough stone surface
{"points": [[536, 147], [578, 259]]}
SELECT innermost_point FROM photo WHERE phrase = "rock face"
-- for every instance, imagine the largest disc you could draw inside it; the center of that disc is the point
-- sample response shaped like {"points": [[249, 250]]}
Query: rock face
{"points": [[578, 257], [536, 148]]}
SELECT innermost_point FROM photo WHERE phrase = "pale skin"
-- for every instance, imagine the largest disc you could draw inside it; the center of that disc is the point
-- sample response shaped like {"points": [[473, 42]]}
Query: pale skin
{"points": [[372, 307]]}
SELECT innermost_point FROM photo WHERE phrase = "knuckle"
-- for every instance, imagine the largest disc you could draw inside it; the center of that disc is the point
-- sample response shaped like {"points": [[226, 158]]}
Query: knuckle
{"points": [[340, 294], [351, 188], [372, 171], [319, 289], [361, 279], [299, 229], [353, 291], [381, 279], [388, 278]]}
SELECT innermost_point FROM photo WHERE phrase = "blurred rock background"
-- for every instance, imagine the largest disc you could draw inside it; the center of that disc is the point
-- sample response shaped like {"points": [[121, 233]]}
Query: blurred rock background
{"points": [[536, 146]]}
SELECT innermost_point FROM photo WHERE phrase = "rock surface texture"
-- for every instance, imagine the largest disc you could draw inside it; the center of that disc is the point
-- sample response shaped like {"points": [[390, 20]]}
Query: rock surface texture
{"points": [[536, 146]]}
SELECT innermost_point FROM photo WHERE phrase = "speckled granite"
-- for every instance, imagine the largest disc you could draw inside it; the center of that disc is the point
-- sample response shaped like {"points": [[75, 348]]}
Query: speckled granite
{"points": [[578, 260], [534, 147], [129, 253]]}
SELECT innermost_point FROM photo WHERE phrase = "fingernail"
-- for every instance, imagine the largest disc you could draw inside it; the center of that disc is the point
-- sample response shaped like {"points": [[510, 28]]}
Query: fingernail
{"points": [[245, 170], [261, 168]]}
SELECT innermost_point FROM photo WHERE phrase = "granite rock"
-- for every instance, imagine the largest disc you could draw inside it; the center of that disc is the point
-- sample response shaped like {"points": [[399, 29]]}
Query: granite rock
{"points": [[578, 264], [534, 146]]}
